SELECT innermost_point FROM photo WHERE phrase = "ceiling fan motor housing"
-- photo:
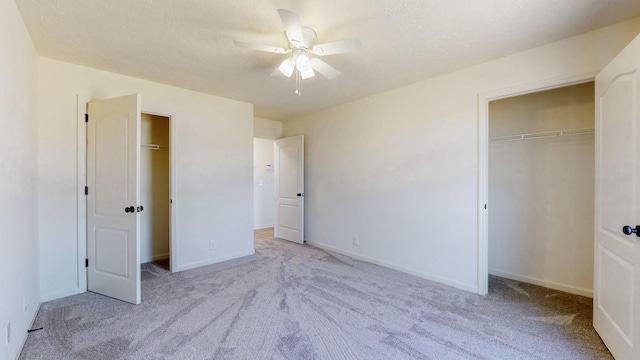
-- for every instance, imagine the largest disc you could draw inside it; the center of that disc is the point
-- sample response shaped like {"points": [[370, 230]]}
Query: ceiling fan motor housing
{"points": [[309, 38]]}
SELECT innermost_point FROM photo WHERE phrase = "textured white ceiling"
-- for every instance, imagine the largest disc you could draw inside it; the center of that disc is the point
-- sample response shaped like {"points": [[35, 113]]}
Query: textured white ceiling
{"points": [[190, 43]]}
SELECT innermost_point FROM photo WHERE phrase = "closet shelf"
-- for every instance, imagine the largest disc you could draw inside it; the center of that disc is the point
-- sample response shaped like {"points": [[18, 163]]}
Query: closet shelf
{"points": [[540, 135], [153, 147]]}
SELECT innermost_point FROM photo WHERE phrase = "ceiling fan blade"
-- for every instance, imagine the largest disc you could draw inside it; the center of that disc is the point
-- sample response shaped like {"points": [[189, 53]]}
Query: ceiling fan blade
{"points": [[292, 26], [276, 72], [325, 69], [287, 66], [338, 47], [267, 48]]}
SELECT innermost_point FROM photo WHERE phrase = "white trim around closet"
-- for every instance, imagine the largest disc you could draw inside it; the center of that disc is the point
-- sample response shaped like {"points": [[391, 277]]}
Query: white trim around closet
{"points": [[483, 156]]}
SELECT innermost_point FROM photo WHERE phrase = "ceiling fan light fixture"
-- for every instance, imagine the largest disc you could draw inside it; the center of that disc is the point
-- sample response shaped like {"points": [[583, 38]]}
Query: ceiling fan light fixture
{"points": [[303, 65], [287, 66], [302, 61], [306, 73]]}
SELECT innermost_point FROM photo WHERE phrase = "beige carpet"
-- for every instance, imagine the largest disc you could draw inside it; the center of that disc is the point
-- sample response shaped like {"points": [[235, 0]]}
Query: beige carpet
{"points": [[291, 301]]}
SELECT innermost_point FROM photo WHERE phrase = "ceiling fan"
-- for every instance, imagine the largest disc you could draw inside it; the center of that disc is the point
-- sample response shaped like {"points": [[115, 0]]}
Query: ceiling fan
{"points": [[301, 47]]}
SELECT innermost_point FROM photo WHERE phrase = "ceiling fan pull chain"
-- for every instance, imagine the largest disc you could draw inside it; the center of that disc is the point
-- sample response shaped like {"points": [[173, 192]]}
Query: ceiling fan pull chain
{"points": [[297, 82]]}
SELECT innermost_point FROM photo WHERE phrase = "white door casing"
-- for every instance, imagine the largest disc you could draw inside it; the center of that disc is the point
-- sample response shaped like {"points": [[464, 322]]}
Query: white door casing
{"points": [[616, 310], [483, 156], [113, 180], [289, 191]]}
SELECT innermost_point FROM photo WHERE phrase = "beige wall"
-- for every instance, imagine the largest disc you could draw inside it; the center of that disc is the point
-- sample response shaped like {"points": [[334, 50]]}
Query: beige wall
{"points": [[18, 181], [267, 129], [541, 191], [400, 169], [213, 170]]}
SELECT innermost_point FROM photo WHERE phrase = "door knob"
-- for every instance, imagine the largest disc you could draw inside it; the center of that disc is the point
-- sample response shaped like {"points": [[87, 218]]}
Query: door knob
{"points": [[129, 209], [628, 230], [300, 194]]}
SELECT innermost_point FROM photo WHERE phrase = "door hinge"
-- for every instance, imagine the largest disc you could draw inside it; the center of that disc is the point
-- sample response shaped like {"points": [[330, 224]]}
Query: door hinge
{"points": [[86, 190], [86, 263], [86, 117]]}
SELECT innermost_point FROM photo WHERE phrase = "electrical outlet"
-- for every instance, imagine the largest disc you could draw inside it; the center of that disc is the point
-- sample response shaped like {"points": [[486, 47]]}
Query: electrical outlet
{"points": [[356, 241], [212, 245], [8, 333]]}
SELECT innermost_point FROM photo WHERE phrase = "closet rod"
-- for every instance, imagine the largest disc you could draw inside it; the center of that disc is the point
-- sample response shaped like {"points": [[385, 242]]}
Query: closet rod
{"points": [[152, 146], [540, 135]]}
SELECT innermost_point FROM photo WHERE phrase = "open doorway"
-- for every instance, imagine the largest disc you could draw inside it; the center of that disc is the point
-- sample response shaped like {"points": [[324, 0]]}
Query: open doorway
{"points": [[263, 188], [155, 195], [123, 182], [540, 188], [484, 99], [279, 188]]}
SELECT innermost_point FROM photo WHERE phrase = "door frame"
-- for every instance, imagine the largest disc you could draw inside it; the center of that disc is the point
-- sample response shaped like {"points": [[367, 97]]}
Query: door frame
{"points": [[483, 158], [81, 166]]}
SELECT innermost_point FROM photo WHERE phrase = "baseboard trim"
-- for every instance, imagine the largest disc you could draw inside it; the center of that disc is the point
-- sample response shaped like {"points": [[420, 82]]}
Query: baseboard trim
{"points": [[160, 257], [426, 276], [198, 264], [260, 227], [26, 333], [541, 282], [60, 295], [155, 258]]}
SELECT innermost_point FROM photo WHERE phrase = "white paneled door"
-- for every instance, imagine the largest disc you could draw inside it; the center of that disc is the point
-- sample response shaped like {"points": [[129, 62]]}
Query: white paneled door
{"points": [[113, 181], [289, 181], [616, 310]]}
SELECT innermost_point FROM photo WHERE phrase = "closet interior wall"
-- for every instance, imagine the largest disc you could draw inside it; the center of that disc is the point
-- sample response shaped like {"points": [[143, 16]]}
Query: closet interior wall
{"points": [[154, 188], [541, 191]]}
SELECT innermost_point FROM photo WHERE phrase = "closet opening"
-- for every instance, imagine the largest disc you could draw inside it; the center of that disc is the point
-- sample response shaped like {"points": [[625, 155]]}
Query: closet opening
{"points": [[540, 176], [155, 192]]}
